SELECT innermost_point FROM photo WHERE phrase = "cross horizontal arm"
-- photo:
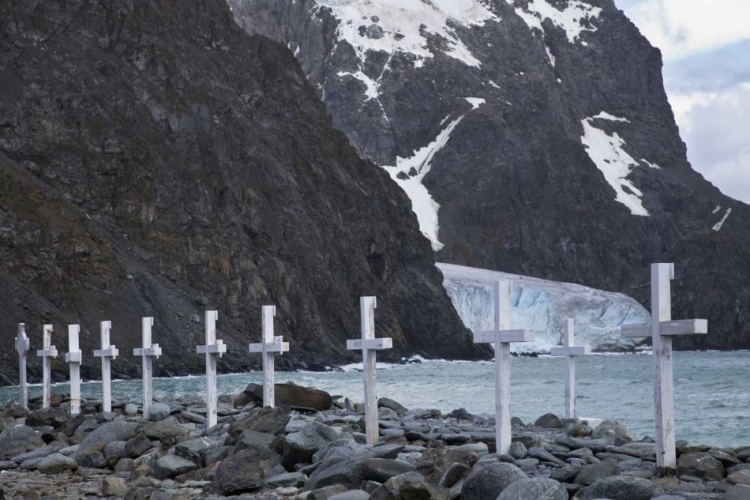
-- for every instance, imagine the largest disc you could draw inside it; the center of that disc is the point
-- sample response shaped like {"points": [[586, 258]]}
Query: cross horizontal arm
{"points": [[112, 352], [505, 336], [73, 357], [44, 353], [271, 347], [218, 348], [384, 343], [570, 351], [667, 328], [154, 351]]}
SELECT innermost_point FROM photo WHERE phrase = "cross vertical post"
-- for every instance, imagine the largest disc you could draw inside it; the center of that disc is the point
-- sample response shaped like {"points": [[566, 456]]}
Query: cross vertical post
{"points": [[47, 353], [570, 351], [269, 346], [369, 346], [22, 348], [107, 353], [147, 353], [74, 359], [212, 349], [661, 330], [501, 338]]}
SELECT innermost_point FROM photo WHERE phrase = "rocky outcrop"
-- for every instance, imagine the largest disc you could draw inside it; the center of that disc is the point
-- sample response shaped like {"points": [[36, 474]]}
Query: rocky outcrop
{"points": [[533, 138], [155, 160]]}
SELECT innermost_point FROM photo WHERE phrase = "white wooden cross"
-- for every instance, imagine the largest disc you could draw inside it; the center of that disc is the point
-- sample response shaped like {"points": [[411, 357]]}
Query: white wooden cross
{"points": [[22, 347], [570, 351], [501, 337], [269, 346], [47, 353], [661, 330], [74, 358], [213, 349], [147, 353], [370, 345], [107, 353]]}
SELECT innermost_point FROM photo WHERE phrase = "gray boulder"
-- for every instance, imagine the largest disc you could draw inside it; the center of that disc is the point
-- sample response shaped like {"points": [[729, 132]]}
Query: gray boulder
{"points": [[136, 446], [167, 433], [18, 439], [100, 437], [534, 489], [589, 474], [171, 466], [49, 417], [159, 411], [347, 473], [518, 450], [56, 463], [739, 477], [248, 439], [381, 469], [737, 492], [244, 472], [93, 460], [351, 495], [411, 486], [618, 488], [131, 409], [114, 487], [268, 420], [700, 465], [613, 433], [545, 456], [393, 405], [490, 480], [299, 447], [286, 479], [114, 451]]}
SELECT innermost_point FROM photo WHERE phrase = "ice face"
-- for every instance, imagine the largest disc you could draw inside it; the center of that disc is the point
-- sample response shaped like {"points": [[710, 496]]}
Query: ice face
{"points": [[543, 306]]}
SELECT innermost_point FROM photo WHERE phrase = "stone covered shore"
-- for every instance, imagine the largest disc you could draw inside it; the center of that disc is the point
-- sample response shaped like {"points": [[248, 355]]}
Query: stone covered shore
{"points": [[302, 453]]}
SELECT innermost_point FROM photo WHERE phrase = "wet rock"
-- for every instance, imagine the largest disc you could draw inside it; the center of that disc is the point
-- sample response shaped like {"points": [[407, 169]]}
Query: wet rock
{"points": [[534, 489], [490, 480], [299, 447], [700, 465], [18, 439], [100, 437], [381, 469], [589, 474], [56, 464], [549, 421], [412, 486], [171, 466], [618, 488], [393, 405], [159, 411], [244, 471]]}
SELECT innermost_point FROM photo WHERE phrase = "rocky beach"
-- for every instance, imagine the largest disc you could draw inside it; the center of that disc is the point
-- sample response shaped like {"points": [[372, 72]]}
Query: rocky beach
{"points": [[312, 447]]}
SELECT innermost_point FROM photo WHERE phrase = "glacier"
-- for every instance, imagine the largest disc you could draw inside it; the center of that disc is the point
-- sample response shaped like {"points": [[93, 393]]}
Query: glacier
{"points": [[543, 306]]}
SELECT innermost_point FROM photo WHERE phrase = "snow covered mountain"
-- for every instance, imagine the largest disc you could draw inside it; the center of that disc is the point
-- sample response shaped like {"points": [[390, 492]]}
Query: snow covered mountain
{"points": [[543, 306], [533, 137]]}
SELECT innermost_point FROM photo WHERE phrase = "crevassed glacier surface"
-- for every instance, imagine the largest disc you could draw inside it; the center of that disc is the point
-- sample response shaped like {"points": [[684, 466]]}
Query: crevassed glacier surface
{"points": [[543, 306]]}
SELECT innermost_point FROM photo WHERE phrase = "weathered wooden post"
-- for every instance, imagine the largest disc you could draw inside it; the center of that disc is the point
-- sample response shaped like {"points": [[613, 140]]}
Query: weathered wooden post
{"points": [[74, 359], [370, 345], [570, 351], [661, 330], [22, 348], [47, 353], [213, 349], [269, 346], [107, 353], [147, 353], [501, 338]]}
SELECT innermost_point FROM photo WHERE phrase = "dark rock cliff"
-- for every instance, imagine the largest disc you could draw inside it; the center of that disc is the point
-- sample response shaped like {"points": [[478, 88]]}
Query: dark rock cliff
{"points": [[155, 160], [542, 133]]}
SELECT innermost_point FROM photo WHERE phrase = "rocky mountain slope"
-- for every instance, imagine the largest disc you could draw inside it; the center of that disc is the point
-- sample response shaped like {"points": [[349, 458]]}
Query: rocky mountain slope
{"points": [[533, 137], [155, 160]]}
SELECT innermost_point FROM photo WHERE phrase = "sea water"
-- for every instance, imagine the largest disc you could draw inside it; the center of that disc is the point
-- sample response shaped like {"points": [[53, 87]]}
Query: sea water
{"points": [[712, 390]]}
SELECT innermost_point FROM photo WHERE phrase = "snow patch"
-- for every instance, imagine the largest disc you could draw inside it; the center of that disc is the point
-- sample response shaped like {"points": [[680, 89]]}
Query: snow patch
{"points": [[543, 306], [494, 84], [372, 87], [720, 224], [606, 116], [718, 207], [607, 154], [406, 25], [569, 18], [652, 165], [550, 56], [410, 180]]}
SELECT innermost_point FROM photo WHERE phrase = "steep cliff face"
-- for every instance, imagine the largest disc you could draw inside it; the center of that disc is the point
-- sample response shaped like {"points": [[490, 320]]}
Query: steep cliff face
{"points": [[532, 136], [155, 160]]}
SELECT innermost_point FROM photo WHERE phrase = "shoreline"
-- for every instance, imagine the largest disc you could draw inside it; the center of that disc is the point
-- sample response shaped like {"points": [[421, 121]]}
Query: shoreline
{"points": [[275, 453]]}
